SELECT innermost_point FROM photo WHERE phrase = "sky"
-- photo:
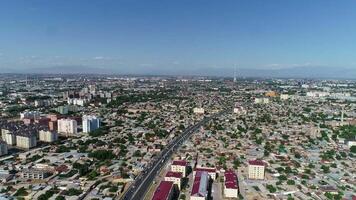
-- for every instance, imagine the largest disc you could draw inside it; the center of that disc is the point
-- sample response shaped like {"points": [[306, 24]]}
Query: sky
{"points": [[176, 36]]}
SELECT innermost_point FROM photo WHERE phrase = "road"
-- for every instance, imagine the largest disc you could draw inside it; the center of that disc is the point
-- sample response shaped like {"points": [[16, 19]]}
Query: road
{"points": [[141, 184]]}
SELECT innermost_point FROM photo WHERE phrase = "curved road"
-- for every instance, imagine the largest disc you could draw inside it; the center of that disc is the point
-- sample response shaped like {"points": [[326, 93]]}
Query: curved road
{"points": [[141, 184]]}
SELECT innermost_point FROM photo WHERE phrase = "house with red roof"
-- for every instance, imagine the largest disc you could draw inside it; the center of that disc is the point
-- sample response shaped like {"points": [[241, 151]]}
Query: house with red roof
{"points": [[231, 188]]}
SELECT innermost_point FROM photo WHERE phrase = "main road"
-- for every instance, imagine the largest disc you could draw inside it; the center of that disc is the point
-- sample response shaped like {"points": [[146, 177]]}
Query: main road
{"points": [[138, 189]]}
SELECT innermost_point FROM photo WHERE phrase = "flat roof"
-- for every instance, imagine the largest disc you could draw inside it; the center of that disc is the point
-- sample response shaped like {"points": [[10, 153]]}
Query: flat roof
{"points": [[200, 184], [256, 162], [163, 190], [174, 174], [231, 179], [205, 169], [179, 162]]}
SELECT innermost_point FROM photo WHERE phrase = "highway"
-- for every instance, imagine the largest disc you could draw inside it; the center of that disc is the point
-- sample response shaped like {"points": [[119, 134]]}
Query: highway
{"points": [[142, 183]]}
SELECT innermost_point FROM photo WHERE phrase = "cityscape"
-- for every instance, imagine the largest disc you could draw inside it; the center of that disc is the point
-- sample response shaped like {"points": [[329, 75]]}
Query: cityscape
{"points": [[122, 137], [177, 100]]}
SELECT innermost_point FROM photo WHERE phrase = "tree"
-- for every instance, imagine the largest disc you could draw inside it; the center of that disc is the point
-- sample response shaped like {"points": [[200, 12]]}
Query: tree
{"points": [[73, 192], [271, 188], [46, 195], [353, 149], [326, 169], [21, 192], [60, 198], [102, 155]]}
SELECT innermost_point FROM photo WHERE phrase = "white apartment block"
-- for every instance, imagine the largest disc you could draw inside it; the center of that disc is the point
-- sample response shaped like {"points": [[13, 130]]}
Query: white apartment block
{"points": [[231, 189], [26, 141], [198, 110], [179, 166], [34, 174], [174, 177], [262, 100], [75, 101], [240, 110], [67, 127], [284, 96], [48, 136], [10, 138], [256, 169]]}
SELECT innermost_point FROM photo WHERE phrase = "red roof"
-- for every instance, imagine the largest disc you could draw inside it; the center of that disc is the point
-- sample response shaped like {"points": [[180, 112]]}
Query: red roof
{"points": [[197, 182], [203, 169], [256, 162], [180, 162], [174, 174], [163, 190], [230, 179], [62, 168]]}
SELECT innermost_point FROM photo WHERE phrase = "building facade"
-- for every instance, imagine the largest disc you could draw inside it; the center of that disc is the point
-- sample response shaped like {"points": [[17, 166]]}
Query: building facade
{"points": [[3, 148], [256, 169], [231, 189], [48, 136], [26, 141], [175, 177], [67, 127], [179, 166], [90, 123]]}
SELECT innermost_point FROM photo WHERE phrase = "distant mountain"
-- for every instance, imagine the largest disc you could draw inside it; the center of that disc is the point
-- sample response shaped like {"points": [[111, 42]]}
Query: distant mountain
{"points": [[295, 72]]}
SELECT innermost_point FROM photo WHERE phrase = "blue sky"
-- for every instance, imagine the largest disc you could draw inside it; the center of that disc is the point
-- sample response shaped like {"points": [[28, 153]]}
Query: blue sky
{"points": [[138, 36]]}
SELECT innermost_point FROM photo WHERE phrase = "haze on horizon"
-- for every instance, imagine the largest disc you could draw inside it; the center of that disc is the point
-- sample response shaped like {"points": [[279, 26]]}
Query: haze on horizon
{"points": [[277, 37]]}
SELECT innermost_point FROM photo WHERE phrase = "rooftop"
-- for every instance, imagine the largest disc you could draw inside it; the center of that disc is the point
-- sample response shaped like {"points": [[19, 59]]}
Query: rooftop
{"points": [[200, 184], [163, 190], [174, 174], [180, 162], [230, 179], [205, 169], [257, 162]]}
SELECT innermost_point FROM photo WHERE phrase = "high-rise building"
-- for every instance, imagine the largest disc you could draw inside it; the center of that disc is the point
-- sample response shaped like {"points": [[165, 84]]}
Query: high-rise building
{"points": [[3, 148], [8, 137], [30, 114], [26, 141], [48, 136], [90, 123], [67, 127]]}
